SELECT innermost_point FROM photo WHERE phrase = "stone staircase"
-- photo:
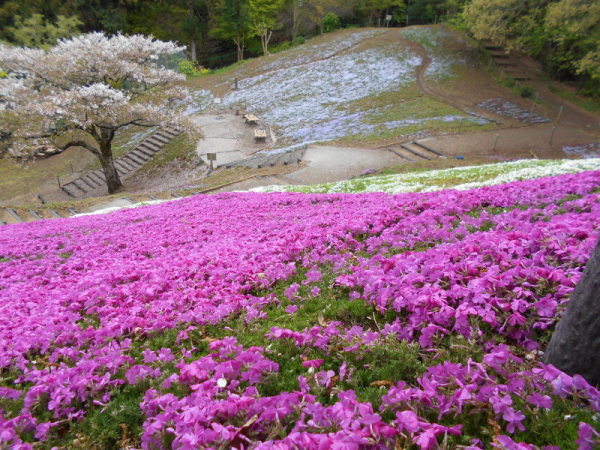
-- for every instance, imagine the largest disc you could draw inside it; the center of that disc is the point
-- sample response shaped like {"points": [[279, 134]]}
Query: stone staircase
{"points": [[129, 162], [260, 161], [506, 62], [10, 215], [414, 151]]}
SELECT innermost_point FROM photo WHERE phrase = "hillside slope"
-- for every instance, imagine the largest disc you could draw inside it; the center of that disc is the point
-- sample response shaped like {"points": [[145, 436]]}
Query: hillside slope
{"points": [[353, 85]]}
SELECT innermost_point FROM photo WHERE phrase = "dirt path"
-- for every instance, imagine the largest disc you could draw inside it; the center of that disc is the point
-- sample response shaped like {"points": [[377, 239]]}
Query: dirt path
{"points": [[427, 89]]}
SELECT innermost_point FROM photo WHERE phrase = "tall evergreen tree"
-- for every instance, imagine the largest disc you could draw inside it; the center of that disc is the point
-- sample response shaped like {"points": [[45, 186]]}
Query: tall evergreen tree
{"points": [[233, 22]]}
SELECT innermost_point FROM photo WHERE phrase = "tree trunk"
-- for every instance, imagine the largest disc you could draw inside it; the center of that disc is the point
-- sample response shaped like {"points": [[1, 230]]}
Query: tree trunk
{"points": [[193, 51], [295, 21], [575, 344], [240, 46], [264, 40], [113, 182]]}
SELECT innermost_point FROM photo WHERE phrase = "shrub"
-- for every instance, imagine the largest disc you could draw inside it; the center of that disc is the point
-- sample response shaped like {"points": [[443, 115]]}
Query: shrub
{"points": [[331, 22], [191, 68], [298, 40], [526, 92], [286, 45]]}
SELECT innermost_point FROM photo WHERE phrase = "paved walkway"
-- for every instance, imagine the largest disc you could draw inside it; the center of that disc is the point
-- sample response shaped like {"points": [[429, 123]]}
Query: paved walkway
{"points": [[227, 135]]}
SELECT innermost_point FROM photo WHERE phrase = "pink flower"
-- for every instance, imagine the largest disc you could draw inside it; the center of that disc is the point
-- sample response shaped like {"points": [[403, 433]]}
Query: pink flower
{"points": [[588, 438], [291, 309], [313, 363], [539, 400]]}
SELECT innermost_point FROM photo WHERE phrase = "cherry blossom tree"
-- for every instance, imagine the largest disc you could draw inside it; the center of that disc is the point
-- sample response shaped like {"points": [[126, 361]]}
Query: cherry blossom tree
{"points": [[84, 90]]}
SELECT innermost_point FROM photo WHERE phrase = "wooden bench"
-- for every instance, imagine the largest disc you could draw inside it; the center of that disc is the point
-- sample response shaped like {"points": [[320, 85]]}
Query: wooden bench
{"points": [[260, 135], [251, 119]]}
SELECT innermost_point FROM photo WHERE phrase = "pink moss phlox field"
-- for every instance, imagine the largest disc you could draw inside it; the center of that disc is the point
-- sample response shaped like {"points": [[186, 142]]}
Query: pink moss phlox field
{"points": [[493, 266]]}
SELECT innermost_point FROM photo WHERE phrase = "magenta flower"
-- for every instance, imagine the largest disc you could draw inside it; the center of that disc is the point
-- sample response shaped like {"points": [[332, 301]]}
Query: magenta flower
{"points": [[312, 363]]}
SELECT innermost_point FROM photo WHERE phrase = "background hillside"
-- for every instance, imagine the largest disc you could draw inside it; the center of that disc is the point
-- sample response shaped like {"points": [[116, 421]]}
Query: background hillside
{"points": [[563, 34]]}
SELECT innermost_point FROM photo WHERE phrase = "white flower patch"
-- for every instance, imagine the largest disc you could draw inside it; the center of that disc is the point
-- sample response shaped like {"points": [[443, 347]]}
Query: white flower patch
{"points": [[306, 103], [431, 39], [309, 53], [583, 151], [199, 100], [486, 175]]}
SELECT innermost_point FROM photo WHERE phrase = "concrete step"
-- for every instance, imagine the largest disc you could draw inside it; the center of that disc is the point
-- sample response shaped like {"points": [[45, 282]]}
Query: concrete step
{"points": [[149, 147], [136, 159], [157, 143], [134, 163], [399, 152], [126, 164], [14, 215], [98, 175], [92, 180], [429, 149], [34, 214], [140, 155], [81, 185], [416, 152], [87, 183], [144, 150], [159, 138], [72, 190], [171, 131], [121, 168], [165, 135]]}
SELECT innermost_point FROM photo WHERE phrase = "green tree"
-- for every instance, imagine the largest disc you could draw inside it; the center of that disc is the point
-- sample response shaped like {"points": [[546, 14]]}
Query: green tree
{"points": [[429, 11], [264, 19], [331, 22], [509, 23], [197, 25], [376, 10], [36, 31], [233, 22], [573, 27]]}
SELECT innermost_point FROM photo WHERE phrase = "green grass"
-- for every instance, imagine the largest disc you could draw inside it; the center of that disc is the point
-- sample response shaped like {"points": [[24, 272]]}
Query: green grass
{"points": [[587, 103], [180, 148], [406, 104]]}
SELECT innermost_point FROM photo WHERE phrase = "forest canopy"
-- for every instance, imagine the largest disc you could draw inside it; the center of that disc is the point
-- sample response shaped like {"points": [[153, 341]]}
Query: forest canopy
{"points": [[563, 34]]}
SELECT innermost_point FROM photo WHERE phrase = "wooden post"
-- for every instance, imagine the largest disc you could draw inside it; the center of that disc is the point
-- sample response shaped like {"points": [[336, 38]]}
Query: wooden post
{"points": [[58, 180], [71, 164], [552, 135], [496, 142], [560, 111]]}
